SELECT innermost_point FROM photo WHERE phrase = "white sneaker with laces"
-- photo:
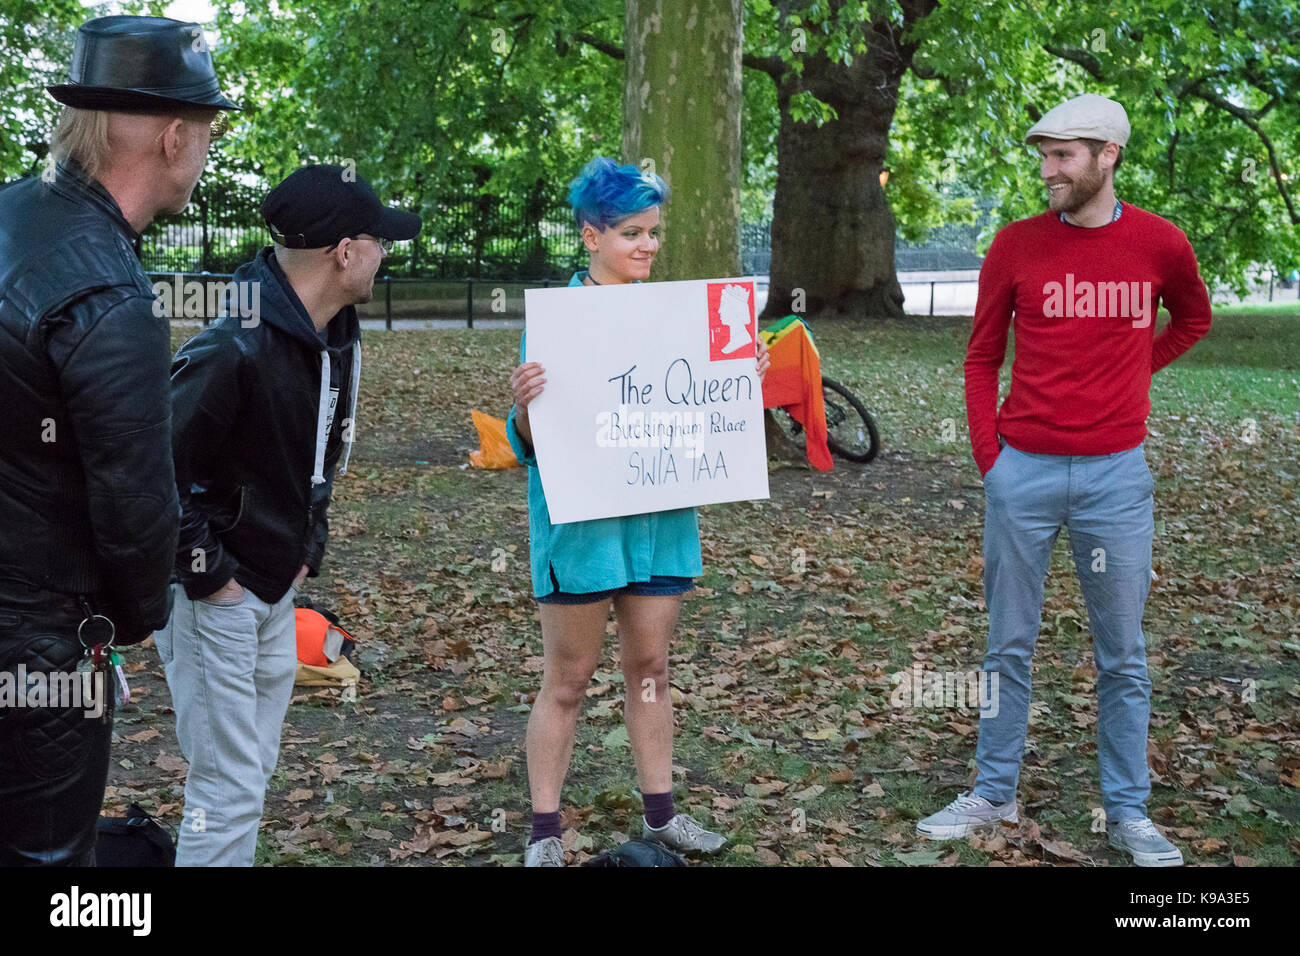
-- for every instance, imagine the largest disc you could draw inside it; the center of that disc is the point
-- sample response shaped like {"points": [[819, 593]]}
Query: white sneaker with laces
{"points": [[1143, 842], [547, 852], [964, 816], [684, 834]]}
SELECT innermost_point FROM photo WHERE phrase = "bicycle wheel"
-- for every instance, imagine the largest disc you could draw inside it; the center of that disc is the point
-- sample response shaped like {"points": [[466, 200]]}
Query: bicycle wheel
{"points": [[786, 424], [850, 430]]}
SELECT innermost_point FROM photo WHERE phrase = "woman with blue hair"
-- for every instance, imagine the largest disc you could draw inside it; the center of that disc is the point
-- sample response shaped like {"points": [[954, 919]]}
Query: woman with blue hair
{"points": [[642, 564]]}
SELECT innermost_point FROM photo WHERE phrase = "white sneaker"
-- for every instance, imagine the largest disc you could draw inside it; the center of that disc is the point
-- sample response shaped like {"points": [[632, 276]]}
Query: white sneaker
{"points": [[964, 816], [684, 834], [547, 852], [1143, 842]]}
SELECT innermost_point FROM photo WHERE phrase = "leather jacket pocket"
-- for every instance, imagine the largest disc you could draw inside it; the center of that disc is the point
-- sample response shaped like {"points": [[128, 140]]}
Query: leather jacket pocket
{"points": [[228, 516]]}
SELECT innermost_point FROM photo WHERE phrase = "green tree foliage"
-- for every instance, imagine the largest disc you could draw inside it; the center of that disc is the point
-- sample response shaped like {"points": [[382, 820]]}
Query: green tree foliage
{"points": [[1210, 91], [424, 98], [36, 38], [510, 97]]}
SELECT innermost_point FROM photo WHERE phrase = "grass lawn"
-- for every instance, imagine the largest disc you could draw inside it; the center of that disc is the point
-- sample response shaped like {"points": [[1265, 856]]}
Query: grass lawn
{"points": [[782, 667]]}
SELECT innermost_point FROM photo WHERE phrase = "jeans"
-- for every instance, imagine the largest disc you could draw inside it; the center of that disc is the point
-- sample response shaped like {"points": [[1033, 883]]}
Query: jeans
{"points": [[230, 669], [658, 586], [1106, 502]]}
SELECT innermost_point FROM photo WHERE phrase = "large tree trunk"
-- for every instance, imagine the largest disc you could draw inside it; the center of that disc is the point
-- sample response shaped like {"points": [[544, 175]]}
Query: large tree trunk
{"points": [[681, 111], [832, 230]]}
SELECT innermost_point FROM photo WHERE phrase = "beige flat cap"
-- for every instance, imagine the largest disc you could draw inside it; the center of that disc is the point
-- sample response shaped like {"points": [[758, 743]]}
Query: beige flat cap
{"points": [[1085, 117]]}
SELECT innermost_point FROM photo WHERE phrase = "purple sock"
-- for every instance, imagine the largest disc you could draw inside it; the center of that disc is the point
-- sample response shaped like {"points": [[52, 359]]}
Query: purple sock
{"points": [[658, 808], [545, 825]]}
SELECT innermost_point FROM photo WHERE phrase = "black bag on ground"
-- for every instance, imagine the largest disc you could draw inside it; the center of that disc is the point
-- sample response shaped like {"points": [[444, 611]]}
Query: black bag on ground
{"points": [[638, 853], [136, 839]]}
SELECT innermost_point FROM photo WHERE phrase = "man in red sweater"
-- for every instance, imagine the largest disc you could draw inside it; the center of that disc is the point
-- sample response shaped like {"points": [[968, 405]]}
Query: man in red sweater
{"points": [[1082, 280]]}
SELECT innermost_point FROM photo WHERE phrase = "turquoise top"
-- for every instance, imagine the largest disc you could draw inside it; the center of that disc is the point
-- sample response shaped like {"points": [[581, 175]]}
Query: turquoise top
{"points": [[604, 553]]}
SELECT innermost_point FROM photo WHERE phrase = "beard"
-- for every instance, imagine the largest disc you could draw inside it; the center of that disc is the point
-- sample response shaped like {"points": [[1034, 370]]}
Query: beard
{"points": [[1079, 192]]}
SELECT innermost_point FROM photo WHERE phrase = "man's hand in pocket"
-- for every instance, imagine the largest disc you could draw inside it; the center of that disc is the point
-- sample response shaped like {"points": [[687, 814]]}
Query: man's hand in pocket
{"points": [[232, 593]]}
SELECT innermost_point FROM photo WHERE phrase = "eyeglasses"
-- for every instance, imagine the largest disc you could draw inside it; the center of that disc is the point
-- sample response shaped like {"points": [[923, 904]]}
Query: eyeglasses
{"points": [[218, 128], [386, 245]]}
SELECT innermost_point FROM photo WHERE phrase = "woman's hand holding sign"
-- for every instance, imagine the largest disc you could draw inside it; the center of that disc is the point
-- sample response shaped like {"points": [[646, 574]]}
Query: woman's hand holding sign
{"points": [[763, 361], [526, 382]]}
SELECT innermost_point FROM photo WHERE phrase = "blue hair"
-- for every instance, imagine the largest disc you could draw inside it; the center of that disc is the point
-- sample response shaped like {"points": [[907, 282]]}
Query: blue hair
{"points": [[606, 193]]}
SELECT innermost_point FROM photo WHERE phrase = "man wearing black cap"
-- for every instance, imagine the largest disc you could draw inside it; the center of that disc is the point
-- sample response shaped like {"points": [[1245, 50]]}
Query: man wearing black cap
{"points": [[264, 406], [88, 509]]}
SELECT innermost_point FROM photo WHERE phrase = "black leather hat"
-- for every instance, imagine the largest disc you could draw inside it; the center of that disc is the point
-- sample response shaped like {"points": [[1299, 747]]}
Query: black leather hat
{"points": [[141, 63], [316, 206]]}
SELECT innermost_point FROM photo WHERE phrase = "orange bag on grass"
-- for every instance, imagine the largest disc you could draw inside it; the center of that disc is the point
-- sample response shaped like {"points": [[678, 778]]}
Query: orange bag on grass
{"points": [[324, 651], [494, 450]]}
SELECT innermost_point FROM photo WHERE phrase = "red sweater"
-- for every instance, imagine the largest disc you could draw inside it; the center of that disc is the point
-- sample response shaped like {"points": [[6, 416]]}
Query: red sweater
{"points": [[1086, 345]]}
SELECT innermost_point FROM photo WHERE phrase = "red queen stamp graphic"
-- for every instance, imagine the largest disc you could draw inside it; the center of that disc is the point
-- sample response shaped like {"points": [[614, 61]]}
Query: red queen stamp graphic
{"points": [[732, 326]]}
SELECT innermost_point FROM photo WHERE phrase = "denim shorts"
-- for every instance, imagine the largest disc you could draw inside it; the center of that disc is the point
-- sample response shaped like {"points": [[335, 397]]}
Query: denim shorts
{"points": [[657, 586]]}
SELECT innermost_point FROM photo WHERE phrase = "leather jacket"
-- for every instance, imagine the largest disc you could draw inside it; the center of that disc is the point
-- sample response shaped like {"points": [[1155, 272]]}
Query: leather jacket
{"points": [[88, 505], [263, 408]]}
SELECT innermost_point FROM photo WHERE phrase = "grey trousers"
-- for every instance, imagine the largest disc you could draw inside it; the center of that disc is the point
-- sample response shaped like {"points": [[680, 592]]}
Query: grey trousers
{"points": [[1105, 501], [230, 669]]}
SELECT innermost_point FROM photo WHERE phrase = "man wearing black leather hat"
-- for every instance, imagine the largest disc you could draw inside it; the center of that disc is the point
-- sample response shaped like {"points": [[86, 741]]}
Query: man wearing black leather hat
{"points": [[264, 407], [88, 506]]}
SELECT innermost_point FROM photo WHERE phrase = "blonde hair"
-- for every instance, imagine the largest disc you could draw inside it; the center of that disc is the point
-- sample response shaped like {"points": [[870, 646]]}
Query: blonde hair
{"points": [[82, 136]]}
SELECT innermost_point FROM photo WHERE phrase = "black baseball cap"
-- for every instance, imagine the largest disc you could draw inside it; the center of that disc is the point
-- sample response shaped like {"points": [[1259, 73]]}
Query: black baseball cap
{"points": [[317, 206]]}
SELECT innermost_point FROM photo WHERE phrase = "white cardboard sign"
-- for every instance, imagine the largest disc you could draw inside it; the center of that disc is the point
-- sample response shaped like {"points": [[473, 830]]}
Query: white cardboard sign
{"points": [[652, 400]]}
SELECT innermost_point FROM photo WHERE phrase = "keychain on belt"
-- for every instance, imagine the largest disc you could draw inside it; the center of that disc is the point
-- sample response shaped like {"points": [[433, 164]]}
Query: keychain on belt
{"points": [[101, 657]]}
